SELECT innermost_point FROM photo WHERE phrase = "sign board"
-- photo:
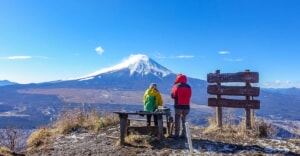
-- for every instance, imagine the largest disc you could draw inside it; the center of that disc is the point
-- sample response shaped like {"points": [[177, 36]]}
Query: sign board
{"points": [[234, 103], [233, 77], [233, 90]]}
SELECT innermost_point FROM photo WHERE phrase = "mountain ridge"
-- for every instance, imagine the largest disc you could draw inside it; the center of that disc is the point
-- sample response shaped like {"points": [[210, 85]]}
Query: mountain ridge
{"points": [[6, 82]]}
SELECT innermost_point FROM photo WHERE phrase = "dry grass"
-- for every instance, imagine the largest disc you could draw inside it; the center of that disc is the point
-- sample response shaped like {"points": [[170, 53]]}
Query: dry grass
{"points": [[225, 132], [70, 121], [5, 151], [230, 131], [95, 123], [40, 138], [138, 140], [263, 128], [212, 125]]}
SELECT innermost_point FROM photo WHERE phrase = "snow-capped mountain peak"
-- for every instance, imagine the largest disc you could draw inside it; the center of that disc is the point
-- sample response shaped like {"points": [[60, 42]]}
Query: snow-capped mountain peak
{"points": [[138, 63]]}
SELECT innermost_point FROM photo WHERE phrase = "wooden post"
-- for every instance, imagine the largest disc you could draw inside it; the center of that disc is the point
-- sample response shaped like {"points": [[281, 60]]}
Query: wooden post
{"points": [[247, 110], [219, 113], [248, 119], [160, 126], [123, 127], [252, 114], [168, 124]]}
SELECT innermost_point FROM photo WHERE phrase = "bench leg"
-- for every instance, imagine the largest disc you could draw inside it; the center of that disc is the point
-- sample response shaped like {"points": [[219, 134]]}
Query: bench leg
{"points": [[160, 127], [123, 127], [168, 124]]}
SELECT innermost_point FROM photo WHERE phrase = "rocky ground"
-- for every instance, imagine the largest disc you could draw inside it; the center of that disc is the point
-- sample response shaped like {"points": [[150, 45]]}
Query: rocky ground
{"points": [[106, 143]]}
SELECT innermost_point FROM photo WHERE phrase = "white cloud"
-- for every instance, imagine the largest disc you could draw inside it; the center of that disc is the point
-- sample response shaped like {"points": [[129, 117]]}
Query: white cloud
{"points": [[280, 84], [23, 57], [18, 57], [160, 56], [224, 52], [185, 56], [297, 84], [99, 50], [277, 82]]}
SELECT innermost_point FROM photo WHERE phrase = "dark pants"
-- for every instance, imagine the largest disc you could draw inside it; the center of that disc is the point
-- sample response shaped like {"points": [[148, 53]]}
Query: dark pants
{"points": [[180, 114], [149, 120]]}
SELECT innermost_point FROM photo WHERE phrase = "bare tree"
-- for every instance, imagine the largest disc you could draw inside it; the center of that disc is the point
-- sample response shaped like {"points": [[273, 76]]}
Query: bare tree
{"points": [[9, 137]]}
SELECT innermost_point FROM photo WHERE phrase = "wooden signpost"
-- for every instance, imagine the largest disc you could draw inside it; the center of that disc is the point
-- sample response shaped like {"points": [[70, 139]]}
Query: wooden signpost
{"points": [[217, 89]]}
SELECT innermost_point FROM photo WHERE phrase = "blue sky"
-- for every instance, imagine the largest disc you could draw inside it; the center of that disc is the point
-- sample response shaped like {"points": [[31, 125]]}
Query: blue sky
{"points": [[60, 39]]}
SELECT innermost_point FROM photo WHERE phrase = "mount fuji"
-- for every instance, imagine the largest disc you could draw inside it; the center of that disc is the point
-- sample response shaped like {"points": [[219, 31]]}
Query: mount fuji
{"points": [[136, 64], [133, 74]]}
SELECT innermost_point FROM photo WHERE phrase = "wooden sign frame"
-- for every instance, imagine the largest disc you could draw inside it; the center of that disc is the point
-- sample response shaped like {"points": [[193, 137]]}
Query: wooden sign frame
{"points": [[247, 91]]}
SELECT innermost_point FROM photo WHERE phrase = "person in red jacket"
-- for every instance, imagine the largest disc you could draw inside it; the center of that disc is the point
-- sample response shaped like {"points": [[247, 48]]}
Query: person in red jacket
{"points": [[181, 93]]}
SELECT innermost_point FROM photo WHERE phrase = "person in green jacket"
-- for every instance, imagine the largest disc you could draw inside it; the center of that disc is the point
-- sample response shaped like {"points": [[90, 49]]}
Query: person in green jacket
{"points": [[152, 99]]}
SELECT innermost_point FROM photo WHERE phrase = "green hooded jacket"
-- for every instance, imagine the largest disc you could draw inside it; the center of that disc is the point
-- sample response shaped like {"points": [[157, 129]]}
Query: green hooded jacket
{"points": [[152, 99]]}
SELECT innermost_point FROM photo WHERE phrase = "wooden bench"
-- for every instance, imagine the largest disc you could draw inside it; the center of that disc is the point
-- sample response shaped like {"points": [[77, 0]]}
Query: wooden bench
{"points": [[125, 123]]}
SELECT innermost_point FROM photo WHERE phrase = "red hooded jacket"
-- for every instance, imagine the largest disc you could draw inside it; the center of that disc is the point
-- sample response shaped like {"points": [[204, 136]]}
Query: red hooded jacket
{"points": [[181, 92]]}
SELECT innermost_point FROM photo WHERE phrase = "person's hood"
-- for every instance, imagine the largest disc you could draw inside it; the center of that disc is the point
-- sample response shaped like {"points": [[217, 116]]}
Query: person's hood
{"points": [[152, 91], [180, 78]]}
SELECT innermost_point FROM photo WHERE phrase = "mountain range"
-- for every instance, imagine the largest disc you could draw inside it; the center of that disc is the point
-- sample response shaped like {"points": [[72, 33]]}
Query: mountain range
{"points": [[122, 87], [6, 82]]}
